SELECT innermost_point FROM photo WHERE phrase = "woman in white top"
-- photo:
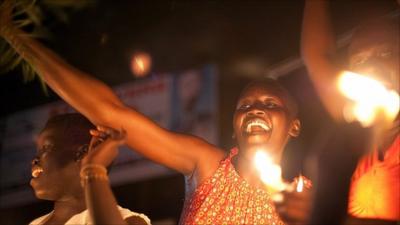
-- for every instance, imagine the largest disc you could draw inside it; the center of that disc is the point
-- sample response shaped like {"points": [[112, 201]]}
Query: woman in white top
{"points": [[77, 185]]}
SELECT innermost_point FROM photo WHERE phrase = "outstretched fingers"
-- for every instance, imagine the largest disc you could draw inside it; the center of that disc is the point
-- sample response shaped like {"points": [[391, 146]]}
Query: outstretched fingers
{"points": [[104, 145], [110, 132], [106, 135]]}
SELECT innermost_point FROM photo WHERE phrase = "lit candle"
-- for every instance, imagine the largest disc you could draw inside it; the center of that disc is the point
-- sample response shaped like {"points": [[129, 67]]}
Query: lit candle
{"points": [[300, 184], [270, 173], [271, 176]]}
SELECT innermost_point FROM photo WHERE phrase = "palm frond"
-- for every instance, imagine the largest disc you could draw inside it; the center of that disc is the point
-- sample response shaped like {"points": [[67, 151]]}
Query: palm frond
{"points": [[9, 58], [44, 87], [34, 13], [28, 71], [30, 14], [22, 23], [15, 62]]}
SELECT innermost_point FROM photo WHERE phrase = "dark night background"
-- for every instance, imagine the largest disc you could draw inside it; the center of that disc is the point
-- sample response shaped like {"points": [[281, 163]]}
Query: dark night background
{"points": [[244, 39]]}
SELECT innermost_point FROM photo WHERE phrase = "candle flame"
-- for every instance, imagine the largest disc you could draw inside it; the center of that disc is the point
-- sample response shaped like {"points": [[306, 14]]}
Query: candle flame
{"points": [[300, 184], [270, 173]]}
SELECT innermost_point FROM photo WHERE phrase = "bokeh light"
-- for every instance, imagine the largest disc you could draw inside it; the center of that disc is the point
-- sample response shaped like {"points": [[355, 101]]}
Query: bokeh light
{"points": [[369, 97], [140, 64]]}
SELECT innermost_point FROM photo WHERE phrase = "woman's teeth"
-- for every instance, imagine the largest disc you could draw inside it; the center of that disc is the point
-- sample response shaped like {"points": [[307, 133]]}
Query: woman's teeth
{"points": [[257, 123], [36, 172]]}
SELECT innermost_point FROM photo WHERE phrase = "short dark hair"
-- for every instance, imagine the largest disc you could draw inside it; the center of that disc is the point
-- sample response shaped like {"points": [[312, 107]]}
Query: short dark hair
{"points": [[290, 102], [74, 127]]}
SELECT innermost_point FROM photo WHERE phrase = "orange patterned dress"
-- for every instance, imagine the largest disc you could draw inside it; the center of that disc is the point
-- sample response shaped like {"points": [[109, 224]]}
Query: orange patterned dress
{"points": [[226, 198]]}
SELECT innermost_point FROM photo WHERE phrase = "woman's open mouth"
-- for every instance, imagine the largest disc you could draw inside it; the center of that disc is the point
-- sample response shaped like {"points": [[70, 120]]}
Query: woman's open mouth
{"points": [[36, 171], [256, 126]]}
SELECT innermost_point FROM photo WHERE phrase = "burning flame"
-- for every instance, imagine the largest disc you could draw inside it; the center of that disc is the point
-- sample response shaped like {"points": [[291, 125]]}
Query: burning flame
{"points": [[271, 173], [300, 184], [369, 97]]}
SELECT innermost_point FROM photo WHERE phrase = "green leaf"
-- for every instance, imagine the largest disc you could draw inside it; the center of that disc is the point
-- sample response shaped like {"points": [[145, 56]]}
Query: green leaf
{"points": [[27, 71], [7, 57], [30, 14], [22, 23]]}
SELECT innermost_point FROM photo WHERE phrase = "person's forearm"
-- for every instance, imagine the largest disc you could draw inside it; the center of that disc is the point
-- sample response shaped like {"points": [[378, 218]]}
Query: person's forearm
{"points": [[317, 36], [101, 106], [318, 49], [101, 203], [84, 93]]}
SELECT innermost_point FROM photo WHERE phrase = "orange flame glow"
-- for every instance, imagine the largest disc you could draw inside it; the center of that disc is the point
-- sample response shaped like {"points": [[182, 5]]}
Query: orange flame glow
{"points": [[369, 97], [300, 184]]}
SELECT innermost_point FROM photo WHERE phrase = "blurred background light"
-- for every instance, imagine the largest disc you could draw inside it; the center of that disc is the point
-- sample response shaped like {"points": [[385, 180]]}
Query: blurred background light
{"points": [[140, 64]]}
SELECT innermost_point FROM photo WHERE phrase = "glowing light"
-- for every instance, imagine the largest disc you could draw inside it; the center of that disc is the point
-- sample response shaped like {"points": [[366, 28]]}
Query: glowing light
{"points": [[391, 104], [140, 64], [364, 112], [369, 97], [270, 173], [359, 87], [300, 184]]}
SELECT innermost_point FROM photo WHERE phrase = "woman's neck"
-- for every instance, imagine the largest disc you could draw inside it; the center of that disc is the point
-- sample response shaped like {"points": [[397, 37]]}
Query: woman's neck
{"points": [[65, 209], [246, 169]]}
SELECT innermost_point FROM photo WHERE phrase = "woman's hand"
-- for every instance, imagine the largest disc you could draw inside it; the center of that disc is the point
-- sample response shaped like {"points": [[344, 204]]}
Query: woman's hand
{"points": [[296, 206], [103, 146]]}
